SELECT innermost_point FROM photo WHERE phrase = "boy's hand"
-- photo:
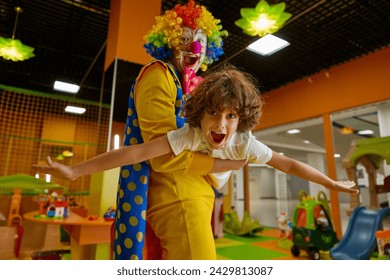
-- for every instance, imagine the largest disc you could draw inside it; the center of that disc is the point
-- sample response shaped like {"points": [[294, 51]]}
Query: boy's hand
{"points": [[345, 186], [55, 169]]}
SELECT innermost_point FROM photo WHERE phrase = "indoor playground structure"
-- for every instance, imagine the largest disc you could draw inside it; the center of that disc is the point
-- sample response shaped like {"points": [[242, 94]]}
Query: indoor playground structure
{"points": [[365, 234], [370, 153], [359, 240], [312, 226]]}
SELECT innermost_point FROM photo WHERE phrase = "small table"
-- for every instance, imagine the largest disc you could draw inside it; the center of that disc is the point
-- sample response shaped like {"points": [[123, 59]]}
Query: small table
{"points": [[83, 232], [16, 186]]}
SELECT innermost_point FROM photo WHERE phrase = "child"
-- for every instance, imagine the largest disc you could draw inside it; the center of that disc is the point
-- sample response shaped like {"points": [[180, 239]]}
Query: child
{"points": [[223, 109]]}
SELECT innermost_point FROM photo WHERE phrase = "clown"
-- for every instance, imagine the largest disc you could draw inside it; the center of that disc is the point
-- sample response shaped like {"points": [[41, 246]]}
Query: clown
{"points": [[169, 194], [189, 37]]}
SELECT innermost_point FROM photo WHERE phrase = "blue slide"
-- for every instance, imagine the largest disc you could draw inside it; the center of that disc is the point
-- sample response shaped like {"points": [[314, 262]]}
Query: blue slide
{"points": [[359, 240]]}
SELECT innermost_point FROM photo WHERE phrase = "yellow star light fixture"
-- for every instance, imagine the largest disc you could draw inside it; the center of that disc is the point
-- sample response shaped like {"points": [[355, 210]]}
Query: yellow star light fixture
{"points": [[13, 49], [263, 19]]}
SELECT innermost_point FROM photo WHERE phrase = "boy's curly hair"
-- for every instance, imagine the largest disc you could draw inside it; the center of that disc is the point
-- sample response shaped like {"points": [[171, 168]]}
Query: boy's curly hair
{"points": [[224, 88]]}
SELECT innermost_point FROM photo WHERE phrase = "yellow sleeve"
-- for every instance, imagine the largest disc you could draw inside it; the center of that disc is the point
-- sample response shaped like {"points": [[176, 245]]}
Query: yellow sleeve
{"points": [[155, 98]]}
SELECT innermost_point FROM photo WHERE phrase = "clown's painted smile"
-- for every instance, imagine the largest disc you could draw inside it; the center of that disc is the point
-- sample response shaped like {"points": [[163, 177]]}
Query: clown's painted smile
{"points": [[192, 49]]}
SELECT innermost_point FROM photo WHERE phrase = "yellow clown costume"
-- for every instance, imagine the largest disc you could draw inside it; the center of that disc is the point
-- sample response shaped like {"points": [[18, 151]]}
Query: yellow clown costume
{"points": [[170, 192]]}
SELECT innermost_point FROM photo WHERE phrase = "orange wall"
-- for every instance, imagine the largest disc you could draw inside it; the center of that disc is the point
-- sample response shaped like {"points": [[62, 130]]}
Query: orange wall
{"points": [[65, 132], [129, 22], [360, 82]]}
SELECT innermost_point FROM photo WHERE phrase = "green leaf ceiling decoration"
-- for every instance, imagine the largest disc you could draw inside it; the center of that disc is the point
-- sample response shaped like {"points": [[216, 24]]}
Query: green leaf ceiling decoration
{"points": [[263, 19], [13, 49]]}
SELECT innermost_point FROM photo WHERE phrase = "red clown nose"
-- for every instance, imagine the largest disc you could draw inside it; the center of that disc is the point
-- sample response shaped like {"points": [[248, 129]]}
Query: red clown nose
{"points": [[195, 47]]}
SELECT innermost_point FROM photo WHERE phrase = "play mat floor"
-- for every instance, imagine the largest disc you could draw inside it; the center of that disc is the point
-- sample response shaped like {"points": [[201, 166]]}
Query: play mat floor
{"points": [[265, 245]]}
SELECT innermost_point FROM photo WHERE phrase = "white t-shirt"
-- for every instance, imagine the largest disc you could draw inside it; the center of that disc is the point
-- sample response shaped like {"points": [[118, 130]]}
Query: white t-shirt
{"points": [[242, 146]]}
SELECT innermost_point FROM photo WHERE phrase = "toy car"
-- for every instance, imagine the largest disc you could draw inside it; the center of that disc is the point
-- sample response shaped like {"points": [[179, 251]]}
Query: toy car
{"points": [[312, 227]]}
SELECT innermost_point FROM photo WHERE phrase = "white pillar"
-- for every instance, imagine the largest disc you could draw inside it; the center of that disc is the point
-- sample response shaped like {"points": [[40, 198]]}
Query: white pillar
{"points": [[281, 191], [318, 162], [383, 118], [238, 192], [384, 130]]}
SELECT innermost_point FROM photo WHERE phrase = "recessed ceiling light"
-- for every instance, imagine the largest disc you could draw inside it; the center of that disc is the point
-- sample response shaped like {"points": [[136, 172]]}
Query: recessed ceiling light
{"points": [[346, 130], [67, 87], [337, 155], [268, 45], [366, 132], [306, 141], [293, 131], [75, 110]]}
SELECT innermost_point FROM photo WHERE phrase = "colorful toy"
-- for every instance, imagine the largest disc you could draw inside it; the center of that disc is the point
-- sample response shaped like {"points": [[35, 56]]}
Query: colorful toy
{"points": [[109, 215], [233, 225], [42, 200], [284, 225], [383, 242], [359, 240], [58, 207], [312, 227]]}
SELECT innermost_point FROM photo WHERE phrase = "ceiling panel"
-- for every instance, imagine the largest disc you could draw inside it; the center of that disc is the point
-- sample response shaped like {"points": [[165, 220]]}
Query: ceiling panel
{"points": [[69, 39]]}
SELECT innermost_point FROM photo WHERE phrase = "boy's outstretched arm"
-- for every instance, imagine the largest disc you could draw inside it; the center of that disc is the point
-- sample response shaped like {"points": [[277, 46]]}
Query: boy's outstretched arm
{"points": [[111, 159], [305, 171]]}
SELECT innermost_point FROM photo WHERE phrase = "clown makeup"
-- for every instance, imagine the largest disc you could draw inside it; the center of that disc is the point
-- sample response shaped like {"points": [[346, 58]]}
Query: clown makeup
{"points": [[218, 127], [192, 49]]}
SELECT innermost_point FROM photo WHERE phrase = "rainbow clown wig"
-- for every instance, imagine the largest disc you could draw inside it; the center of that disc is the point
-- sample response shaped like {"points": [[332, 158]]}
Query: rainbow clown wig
{"points": [[166, 32]]}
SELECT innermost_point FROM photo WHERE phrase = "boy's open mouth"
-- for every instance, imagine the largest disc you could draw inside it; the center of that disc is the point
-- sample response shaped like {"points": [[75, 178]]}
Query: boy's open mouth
{"points": [[217, 137]]}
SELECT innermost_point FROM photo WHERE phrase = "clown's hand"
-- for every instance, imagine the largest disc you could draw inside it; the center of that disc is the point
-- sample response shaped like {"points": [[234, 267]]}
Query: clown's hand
{"points": [[55, 169]]}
